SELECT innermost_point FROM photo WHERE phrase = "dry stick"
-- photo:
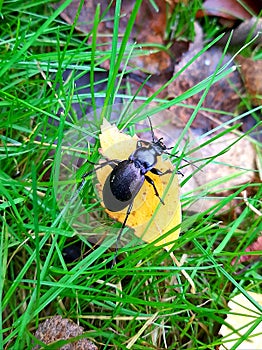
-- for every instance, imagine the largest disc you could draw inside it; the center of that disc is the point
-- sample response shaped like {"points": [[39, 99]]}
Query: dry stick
{"points": [[249, 205], [186, 275]]}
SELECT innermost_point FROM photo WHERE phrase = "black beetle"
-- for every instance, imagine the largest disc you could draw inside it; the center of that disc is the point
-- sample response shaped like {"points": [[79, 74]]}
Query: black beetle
{"points": [[127, 177]]}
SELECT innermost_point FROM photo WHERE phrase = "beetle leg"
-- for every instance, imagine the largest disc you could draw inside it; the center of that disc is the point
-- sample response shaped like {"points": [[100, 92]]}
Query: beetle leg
{"points": [[179, 173], [159, 172], [151, 182], [82, 183], [108, 162], [112, 163], [129, 209]]}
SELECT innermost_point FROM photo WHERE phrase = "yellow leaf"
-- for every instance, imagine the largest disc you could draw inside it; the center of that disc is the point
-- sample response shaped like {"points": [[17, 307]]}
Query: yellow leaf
{"points": [[119, 146], [245, 313]]}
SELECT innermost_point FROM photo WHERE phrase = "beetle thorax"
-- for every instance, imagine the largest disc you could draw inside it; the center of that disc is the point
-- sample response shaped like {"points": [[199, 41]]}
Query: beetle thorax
{"points": [[144, 158]]}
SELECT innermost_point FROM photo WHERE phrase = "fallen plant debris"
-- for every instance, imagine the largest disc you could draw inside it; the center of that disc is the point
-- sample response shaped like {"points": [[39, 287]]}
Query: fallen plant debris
{"points": [[242, 314], [253, 247], [251, 72], [57, 328], [230, 9], [222, 96], [149, 28]]}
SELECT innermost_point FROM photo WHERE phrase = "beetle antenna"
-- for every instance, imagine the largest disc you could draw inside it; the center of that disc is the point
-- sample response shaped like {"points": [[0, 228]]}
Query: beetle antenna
{"points": [[185, 160], [152, 131], [170, 154]]}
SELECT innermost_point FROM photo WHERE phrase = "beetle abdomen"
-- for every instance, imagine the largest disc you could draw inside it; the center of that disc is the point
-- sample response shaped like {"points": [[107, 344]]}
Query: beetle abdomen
{"points": [[122, 185]]}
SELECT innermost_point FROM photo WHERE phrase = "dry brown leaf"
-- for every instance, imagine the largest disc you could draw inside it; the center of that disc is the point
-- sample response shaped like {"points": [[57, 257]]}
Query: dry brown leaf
{"points": [[246, 31], [245, 313], [57, 328], [255, 246], [149, 28], [230, 9], [117, 145], [221, 96], [251, 72], [239, 157]]}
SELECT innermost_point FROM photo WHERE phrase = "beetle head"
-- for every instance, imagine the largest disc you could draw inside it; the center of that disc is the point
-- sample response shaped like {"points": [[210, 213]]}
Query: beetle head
{"points": [[159, 146]]}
